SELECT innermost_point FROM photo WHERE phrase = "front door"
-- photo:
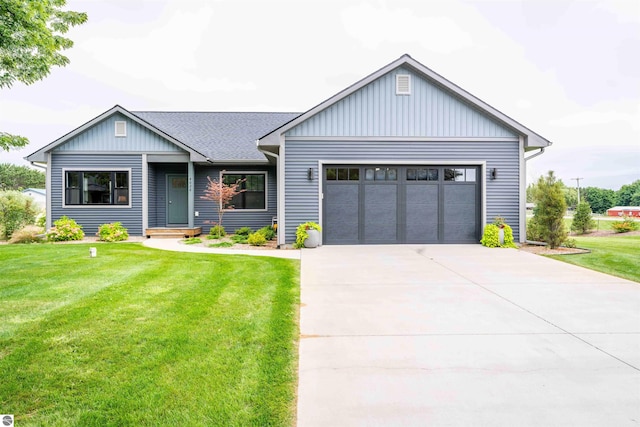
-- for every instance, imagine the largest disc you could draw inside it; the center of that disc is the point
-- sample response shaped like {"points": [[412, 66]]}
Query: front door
{"points": [[177, 200]]}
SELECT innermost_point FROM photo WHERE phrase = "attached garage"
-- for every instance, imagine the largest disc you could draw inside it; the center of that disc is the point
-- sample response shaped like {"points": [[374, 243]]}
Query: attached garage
{"points": [[386, 204]]}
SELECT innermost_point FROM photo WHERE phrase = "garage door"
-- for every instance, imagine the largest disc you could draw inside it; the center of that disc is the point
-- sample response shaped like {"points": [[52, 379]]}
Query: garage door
{"points": [[401, 204]]}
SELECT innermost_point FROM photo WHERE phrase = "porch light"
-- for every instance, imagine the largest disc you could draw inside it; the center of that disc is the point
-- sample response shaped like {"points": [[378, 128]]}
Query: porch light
{"points": [[310, 174], [494, 173]]}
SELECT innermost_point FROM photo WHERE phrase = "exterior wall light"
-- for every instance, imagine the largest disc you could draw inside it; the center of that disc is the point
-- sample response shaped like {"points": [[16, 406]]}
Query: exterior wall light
{"points": [[494, 173], [310, 174]]}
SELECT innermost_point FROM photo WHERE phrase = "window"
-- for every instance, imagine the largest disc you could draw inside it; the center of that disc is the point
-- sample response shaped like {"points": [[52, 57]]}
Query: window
{"points": [[96, 188], [254, 195], [459, 174], [343, 174], [380, 174], [422, 174]]}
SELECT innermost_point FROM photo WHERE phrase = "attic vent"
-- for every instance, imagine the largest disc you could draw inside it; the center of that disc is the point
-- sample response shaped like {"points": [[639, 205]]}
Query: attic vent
{"points": [[403, 84], [121, 128]]}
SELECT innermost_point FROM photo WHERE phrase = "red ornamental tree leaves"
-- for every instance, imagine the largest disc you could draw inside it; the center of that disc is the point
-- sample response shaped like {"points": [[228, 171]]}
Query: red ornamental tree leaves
{"points": [[221, 194]]}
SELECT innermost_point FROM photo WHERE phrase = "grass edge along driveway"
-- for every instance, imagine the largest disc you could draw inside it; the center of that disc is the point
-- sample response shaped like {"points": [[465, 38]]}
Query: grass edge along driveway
{"points": [[617, 255], [139, 336]]}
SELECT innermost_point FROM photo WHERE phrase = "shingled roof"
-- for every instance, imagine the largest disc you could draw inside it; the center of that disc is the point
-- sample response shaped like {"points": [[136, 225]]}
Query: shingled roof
{"points": [[218, 135]]}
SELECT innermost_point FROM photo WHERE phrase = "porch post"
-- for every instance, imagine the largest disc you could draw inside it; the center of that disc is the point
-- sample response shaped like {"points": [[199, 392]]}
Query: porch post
{"points": [[191, 192], [145, 194]]}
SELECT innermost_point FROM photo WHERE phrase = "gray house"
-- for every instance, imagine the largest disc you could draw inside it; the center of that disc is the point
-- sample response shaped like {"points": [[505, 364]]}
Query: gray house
{"points": [[402, 156]]}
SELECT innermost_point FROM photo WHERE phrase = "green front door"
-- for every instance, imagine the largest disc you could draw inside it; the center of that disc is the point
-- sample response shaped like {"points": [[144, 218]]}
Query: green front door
{"points": [[177, 200]]}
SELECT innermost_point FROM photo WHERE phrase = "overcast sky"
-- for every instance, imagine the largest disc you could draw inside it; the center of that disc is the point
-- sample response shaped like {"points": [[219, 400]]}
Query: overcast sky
{"points": [[569, 70]]}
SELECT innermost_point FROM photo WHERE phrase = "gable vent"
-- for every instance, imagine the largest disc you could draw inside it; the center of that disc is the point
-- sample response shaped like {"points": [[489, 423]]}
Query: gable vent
{"points": [[403, 84], [121, 128]]}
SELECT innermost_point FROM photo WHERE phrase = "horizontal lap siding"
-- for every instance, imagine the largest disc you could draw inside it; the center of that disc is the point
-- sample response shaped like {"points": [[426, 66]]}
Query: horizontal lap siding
{"points": [[236, 218], [159, 204], [90, 217], [301, 195]]}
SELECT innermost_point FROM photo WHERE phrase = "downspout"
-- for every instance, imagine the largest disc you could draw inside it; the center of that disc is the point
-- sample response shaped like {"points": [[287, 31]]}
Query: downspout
{"points": [[277, 157], [524, 223], [535, 155]]}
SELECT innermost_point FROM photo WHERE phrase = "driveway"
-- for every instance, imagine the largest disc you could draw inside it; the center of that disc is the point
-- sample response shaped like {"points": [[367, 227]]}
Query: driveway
{"points": [[464, 335]]}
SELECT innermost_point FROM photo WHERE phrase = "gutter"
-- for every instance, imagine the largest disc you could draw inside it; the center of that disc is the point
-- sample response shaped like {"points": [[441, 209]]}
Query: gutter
{"points": [[277, 158], [534, 155]]}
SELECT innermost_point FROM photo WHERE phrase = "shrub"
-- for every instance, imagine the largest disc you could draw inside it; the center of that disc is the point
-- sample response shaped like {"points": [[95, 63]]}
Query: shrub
{"points": [[113, 232], [244, 231], [570, 243], [582, 220], [221, 245], [550, 209], [268, 232], [192, 241], [256, 239], [28, 234], [625, 225], [41, 219], [217, 231], [491, 236], [65, 229], [534, 231], [16, 211], [302, 235], [239, 238]]}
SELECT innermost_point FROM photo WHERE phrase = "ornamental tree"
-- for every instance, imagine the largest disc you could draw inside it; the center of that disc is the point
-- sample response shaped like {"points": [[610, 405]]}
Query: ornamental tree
{"points": [[222, 194], [549, 212]]}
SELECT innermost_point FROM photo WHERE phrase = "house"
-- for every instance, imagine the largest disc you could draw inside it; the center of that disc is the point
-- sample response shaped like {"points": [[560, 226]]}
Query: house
{"points": [[39, 196], [624, 211], [401, 156]]}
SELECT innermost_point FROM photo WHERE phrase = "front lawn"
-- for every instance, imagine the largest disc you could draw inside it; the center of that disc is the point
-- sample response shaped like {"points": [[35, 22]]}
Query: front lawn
{"points": [[617, 255], [141, 337]]}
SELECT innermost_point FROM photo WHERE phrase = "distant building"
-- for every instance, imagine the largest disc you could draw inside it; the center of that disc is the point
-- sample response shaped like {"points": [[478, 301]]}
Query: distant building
{"points": [[624, 211], [39, 196]]}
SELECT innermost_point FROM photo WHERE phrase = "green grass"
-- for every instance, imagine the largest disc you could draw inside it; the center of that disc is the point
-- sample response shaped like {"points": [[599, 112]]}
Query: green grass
{"points": [[140, 337], [617, 255]]}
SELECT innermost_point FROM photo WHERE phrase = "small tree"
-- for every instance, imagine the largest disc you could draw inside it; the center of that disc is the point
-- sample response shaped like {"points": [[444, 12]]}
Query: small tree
{"points": [[550, 208], [222, 193], [582, 220], [16, 211]]}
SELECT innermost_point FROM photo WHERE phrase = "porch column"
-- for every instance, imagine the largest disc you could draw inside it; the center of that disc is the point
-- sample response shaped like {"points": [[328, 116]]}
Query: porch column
{"points": [[191, 193]]}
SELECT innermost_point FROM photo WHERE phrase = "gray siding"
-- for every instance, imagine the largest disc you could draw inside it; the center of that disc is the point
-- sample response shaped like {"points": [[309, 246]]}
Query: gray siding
{"points": [[376, 110], [101, 137], [152, 195], [301, 195], [90, 217], [236, 218], [158, 203]]}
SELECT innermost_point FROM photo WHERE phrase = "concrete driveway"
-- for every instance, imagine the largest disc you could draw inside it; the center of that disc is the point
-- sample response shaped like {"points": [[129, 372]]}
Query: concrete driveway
{"points": [[464, 335]]}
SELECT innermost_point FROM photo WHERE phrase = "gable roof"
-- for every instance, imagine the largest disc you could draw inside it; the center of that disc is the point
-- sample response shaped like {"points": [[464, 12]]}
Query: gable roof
{"points": [[532, 139], [207, 136], [222, 136]]}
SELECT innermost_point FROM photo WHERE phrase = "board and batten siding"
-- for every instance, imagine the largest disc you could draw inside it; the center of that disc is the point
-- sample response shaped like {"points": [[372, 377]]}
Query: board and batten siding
{"points": [[90, 217], [101, 137], [233, 219], [301, 195], [376, 110]]}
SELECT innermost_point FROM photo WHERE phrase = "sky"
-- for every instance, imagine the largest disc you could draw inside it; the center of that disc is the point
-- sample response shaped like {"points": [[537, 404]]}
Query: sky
{"points": [[568, 70]]}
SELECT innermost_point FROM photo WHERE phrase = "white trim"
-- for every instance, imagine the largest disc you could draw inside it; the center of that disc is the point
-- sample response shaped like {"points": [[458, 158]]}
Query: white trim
{"points": [[191, 193], [522, 202], [122, 131], [404, 138], [266, 189], [48, 222], [282, 222], [96, 206], [145, 193], [320, 197]]}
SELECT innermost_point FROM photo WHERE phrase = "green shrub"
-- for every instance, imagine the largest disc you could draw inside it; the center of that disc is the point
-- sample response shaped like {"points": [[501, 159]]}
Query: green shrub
{"points": [[65, 229], [41, 219], [113, 232], [239, 238], [16, 211], [221, 245], [550, 209], [570, 243], [491, 236], [625, 225], [217, 231], [301, 233], [28, 234], [244, 231], [268, 232], [192, 241], [534, 230], [256, 239], [582, 219]]}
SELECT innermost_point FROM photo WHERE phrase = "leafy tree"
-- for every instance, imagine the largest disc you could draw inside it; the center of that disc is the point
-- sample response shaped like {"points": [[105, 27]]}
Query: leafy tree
{"points": [[30, 44], [599, 199], [13, 177], [626, 193], [16, 211], [222, 193], [635, 199], [582, 220], [570, 196], [548, 215]]}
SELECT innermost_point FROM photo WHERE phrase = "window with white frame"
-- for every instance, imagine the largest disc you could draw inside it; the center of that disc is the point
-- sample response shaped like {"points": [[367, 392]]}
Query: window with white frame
{"points": [[253, 184], [96, 187]]}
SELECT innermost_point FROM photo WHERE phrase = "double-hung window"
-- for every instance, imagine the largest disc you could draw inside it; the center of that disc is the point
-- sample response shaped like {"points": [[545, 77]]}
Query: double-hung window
{"points": [[254, 195], [96, 187]]}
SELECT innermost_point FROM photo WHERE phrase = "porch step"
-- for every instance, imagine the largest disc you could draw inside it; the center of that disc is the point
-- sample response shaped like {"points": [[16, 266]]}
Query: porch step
{"points": [[162, 232]]}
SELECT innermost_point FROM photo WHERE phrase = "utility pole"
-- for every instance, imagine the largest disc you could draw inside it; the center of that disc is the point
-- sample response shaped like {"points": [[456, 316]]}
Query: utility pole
{"points": [[578, 183]]}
